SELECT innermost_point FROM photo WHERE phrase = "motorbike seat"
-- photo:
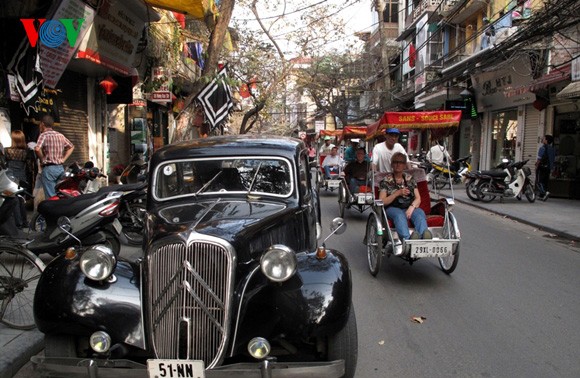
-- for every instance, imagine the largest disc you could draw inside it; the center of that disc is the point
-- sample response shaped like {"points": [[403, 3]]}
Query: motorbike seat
{"points": [[498, 174], [123, 187], [68, 206]]}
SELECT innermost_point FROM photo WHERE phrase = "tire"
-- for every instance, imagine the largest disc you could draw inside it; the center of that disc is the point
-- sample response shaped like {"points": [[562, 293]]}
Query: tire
{"points": [[20, 271], [343, 345], [60, 346], [374, 245], [471, 190], [449, 263], [37, 222], [342, 200], [112, 241], [440, 181], [131, 230], [529, 192], [483, 189]]}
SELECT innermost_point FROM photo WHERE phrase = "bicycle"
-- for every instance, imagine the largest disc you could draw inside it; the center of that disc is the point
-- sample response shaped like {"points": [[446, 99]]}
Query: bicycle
{"points": [[20, 272]]}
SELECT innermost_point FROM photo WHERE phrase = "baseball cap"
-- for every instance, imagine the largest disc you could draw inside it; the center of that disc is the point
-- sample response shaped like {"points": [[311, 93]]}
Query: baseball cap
{"points": [[327, 138], [392, 130]]}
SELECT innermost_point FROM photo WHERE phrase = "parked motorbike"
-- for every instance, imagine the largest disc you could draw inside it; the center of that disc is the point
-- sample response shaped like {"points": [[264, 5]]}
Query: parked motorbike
{"points": [[136, 170], [472, 178], [513, 181], [443, 175]]}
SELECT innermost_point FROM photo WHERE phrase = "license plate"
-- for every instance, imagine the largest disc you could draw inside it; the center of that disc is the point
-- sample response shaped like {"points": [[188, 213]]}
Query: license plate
{"points": [[430, 249], [333, 183], [175, 369], [364, 198], [117, 226]]}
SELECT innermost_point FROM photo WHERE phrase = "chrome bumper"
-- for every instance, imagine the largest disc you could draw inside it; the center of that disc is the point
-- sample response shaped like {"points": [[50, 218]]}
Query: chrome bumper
{"points": [[93, 368]]}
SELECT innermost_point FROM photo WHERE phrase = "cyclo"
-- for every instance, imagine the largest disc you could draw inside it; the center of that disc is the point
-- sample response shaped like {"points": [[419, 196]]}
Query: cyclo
{"points": [[381, 237], [363, 199], [332, 183]]}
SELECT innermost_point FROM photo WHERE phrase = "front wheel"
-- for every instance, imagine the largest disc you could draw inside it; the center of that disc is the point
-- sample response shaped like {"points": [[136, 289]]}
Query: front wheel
{"points": [[133, 221], [374, 244], [440, 181], [37, 222], [449, 263], [341, 200], [20, 272], [112, 241], [529, 192], [343, 345], [471, 190]]}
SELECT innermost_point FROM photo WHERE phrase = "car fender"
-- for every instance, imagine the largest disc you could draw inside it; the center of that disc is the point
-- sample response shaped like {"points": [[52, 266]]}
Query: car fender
{"points": [[66, 301]]}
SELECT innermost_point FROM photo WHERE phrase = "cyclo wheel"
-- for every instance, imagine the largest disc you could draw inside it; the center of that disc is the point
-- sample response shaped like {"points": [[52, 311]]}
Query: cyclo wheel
{"points": [[374, 245], [341, 199], [20, 272], [449, 263]]}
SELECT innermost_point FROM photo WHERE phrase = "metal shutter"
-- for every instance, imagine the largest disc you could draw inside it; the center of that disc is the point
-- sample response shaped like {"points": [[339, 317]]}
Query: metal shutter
{"points": [[533, 130]]}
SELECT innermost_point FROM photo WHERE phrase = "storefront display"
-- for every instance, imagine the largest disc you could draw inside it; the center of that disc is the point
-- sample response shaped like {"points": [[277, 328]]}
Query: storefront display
{"points": [[565, 177]]}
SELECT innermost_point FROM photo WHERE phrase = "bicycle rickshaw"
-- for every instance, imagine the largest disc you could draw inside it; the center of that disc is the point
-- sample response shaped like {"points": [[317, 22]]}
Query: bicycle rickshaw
{"points": [[381, 237], [334, 182], [363, 199]]}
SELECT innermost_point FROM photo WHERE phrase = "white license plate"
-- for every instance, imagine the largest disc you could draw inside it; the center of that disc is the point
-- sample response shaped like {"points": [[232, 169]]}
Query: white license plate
{"points": [[364, 198], [175, 369], [117, 225], [333, 183], [430, 249]]}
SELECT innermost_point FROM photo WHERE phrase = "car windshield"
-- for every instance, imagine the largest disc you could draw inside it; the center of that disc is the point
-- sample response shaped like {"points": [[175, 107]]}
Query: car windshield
{"points": [[197, 177]]}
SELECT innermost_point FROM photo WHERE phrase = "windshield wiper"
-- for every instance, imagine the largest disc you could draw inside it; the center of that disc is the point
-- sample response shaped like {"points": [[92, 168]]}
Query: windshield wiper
{"points": [[254, 178], [208, 183]]}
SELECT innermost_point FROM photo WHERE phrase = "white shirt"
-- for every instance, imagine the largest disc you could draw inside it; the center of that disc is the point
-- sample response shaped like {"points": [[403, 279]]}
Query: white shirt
{"points": [[437, 154], [325, 150], [331, 160], [382, 156]]}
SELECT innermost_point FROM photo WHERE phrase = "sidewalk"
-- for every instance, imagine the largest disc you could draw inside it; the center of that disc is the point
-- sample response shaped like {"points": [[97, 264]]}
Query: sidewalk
{"points": [[556, 216]]}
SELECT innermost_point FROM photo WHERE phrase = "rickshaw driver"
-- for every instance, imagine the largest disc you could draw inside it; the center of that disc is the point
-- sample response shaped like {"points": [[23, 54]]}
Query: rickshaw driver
{"points": [[383, 152], [326, 147], [356, 171]]}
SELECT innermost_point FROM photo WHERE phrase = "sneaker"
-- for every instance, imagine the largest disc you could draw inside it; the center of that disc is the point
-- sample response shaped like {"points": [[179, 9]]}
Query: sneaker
{"points": [[415, 235], [427, 235], [398, 249], [545, 197]]}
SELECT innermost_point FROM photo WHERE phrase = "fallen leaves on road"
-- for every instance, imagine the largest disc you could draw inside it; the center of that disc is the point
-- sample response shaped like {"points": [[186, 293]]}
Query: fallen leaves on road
{"points": [[418, 319]]}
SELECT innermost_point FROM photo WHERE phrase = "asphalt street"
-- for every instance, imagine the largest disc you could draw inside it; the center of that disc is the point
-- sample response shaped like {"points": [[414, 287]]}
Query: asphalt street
{"points": [[558, 218]]}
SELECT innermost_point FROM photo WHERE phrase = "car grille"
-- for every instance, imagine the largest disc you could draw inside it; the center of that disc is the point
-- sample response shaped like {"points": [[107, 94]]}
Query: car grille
{"points": [[190, 300]]}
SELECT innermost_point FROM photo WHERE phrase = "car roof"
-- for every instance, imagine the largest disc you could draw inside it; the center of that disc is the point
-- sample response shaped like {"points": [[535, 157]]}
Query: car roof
{"points": [[234, 145]]}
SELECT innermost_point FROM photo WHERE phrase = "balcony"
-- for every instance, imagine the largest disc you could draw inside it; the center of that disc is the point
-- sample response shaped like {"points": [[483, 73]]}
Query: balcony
{"points": [[461, 9]]}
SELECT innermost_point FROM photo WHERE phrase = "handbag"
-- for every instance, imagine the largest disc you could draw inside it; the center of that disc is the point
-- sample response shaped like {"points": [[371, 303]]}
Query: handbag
{"points": [[404, 202]]}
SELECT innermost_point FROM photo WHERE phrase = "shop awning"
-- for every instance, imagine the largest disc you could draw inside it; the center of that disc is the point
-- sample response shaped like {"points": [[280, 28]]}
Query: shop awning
{"points": [[193, 8], [572, 90], [443, 119], [555, 76]]}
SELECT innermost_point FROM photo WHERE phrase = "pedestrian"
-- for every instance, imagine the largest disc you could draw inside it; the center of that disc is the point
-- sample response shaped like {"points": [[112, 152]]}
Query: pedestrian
{"points": [[331, 163], [356, 171], [19, 161], [326, 147], [52, 148], [382, 152], [544, 164], [311, 153], [399, 192]]}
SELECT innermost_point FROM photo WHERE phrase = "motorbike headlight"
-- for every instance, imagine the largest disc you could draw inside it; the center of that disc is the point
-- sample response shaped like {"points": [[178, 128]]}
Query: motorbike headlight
{"points": [[279, 263], [98, 262]]}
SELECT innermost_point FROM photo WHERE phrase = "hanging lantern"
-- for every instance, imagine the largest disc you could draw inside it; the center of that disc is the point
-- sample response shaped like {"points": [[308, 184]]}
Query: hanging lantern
{"points": [[108, 84]]}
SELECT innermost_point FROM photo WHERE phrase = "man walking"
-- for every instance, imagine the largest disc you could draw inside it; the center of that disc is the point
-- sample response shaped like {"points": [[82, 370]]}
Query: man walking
{"points": [[52, 148], [544, 164]]}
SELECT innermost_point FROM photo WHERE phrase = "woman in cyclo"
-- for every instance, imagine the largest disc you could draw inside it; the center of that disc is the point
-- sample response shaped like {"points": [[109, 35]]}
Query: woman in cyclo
{"points": [[399, 193]]}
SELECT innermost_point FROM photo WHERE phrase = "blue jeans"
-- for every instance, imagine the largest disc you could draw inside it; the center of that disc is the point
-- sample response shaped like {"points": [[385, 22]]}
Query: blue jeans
{"points": [[50, 176], [354, 183], [328, 170], [399, 218]]}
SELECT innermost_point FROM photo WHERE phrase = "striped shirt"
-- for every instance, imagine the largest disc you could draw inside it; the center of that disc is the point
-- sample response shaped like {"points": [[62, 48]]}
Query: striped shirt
{"points": [[52, 143]]}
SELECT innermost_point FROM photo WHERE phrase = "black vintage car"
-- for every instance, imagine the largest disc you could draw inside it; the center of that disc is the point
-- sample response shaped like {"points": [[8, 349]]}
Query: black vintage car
{"points": [[232, 282]]}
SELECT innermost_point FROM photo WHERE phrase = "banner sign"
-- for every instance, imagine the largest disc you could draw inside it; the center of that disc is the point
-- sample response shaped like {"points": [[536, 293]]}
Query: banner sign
{"points": [[415, 120]]}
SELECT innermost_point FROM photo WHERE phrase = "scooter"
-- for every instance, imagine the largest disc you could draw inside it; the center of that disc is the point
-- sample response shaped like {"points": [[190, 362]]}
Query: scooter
{"points": [[513, 181], [136, 171], [472, 178], [441, 175]]}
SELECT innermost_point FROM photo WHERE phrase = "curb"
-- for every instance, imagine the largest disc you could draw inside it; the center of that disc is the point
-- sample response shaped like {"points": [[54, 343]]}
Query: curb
{"points": [[19, 351]]}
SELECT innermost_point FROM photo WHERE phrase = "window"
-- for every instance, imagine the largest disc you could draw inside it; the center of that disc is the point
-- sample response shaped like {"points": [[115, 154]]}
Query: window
{"points": [[391, 11]]}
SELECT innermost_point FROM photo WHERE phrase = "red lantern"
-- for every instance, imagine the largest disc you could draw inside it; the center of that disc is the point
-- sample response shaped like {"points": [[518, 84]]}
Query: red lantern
{"points": [[108, 84]]}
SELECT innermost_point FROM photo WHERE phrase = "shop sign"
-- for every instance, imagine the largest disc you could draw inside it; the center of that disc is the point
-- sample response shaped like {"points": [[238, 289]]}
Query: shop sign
{"points": [[162, 94], [504, 88]]}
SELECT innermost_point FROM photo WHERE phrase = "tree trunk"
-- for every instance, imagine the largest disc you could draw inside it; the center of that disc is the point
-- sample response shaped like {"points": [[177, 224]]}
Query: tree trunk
{"points": [[252, 113]]}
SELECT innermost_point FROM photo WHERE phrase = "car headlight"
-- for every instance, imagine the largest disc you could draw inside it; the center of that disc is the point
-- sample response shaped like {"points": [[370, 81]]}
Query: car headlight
{"points": [[98, 262], [278, 263]]}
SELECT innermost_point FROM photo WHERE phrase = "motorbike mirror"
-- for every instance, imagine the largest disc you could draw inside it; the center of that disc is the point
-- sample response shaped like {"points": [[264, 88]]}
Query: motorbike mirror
{"points": [[338, 226]]}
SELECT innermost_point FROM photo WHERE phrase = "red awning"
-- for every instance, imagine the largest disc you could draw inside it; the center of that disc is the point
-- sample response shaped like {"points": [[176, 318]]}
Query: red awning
{"points": [[354, 132], [442, 119], [555, 76]]}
